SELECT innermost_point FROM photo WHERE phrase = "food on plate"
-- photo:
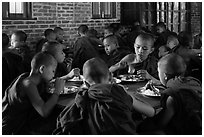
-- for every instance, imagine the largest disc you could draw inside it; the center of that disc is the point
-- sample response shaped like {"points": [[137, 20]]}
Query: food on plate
{"points": [[115, 80], [67, 90], [77, 78], [149, 92], [134, 78]]}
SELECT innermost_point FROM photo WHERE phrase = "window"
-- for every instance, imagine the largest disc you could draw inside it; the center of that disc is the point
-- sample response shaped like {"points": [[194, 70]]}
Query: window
{"points": [[104, 10], [148, 14], [16, 10], [174, 14]]}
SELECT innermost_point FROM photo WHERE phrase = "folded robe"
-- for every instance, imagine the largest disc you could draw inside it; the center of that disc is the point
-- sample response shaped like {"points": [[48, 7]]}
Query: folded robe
{"points": [[103, 109]]}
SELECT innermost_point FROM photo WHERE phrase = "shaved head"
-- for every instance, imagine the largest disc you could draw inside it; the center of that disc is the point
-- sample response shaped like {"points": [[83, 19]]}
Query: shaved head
{"points": [[112, 39], [95, 70], [148, 38], [172, 64], [42, 58]]}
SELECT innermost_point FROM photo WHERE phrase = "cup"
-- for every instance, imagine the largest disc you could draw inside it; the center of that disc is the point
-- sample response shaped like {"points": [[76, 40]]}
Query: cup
{"points": [[131, 69]]}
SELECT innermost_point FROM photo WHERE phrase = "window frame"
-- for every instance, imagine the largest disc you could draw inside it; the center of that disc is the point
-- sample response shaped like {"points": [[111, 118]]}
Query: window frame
{"points": [[27, 12], [101, 8], [151, 13], [170, 10]]}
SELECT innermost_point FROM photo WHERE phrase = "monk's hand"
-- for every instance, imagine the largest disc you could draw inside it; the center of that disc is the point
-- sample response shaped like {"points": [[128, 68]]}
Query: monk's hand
{"points": [[143, 74], [68, 62], [75, 72], [131, 69], [59, 85]]}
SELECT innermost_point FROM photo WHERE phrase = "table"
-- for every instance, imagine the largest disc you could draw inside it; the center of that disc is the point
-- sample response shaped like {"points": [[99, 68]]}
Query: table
{"points": [[68, 100], [132, 90]]}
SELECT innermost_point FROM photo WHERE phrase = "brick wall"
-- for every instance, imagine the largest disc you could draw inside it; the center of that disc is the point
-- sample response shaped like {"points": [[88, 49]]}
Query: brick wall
{"points": [[68, 15], [196, 17]]}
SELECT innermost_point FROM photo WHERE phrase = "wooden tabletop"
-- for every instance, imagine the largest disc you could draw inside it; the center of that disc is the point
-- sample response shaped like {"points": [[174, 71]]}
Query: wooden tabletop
{"points": [[131, 88]]}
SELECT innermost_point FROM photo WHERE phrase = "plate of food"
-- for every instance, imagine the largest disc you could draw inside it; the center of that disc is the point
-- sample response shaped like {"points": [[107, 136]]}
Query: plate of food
{"points": [[115, 80], [131, 78], [76, 79], [149, 92], [67, 90]]}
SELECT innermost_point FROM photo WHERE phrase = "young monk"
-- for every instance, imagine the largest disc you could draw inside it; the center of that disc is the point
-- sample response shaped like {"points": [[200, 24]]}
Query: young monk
{"points": [[194, 64], [5, 67], [112, 29], [84, 49], [16, 59], [108, 31], [56, 50], [163, 33], [172, 42], [49, 35], [23, 97], [59, 34], [142, 63], [181, 101], [108, 106], [113, 50]]}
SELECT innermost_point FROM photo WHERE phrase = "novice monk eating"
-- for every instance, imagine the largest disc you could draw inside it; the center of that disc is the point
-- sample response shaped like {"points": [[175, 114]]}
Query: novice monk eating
{"points": [[56, 50], [143, 63], [108, 106], [23, 103], [172, 42], [181, 101]]}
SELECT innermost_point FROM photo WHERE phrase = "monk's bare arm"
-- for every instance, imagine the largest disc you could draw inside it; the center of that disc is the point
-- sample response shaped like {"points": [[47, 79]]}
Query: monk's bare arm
{"points": [[43, 108], [123, 63]]}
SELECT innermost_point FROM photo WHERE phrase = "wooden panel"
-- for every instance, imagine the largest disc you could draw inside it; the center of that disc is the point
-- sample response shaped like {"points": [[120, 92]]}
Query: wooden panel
{"points": [[5, 9], [130, 12]]}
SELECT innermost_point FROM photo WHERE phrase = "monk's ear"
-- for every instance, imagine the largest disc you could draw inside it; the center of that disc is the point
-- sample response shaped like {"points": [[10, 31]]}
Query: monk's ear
{"points": [[41, 69], [165, 76], [152, 49]]}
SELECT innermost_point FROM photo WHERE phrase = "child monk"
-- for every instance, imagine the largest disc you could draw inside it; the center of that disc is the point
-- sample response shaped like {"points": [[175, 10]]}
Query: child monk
{"points": [[16, 59], [108, 106], [112, 49], [23, 97], [181, 101], [56, 50], [172, 42], [142, 63]]}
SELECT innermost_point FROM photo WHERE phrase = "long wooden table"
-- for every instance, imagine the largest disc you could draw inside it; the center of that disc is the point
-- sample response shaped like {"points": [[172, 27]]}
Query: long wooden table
{"points": [[131, 88]]}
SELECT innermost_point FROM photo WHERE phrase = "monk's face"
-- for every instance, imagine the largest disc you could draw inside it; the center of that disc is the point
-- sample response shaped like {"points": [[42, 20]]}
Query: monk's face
{"points": [[171, 43], [107, 33], [15, 41], [48, 72], [159, 29], [143, 48], [109, 45], [60, 35]]}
